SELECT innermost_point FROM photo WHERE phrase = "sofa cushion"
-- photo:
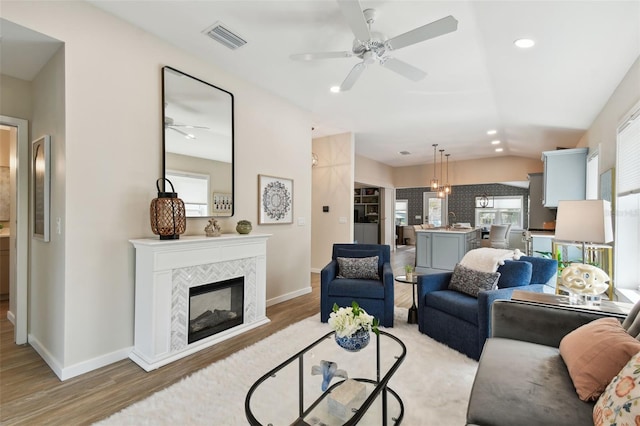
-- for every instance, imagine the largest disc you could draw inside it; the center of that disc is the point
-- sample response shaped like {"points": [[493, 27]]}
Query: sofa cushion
{"points": [[595, 353], [514, 273], [470, 281], [355, 288], [365, 268], [544, 271], [459, 305], [618, 403], [522, 383]]}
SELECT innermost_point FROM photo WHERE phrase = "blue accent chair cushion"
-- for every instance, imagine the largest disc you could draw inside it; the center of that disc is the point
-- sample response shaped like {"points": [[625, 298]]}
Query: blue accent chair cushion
{"points": [[463, 322], [374, 296]]}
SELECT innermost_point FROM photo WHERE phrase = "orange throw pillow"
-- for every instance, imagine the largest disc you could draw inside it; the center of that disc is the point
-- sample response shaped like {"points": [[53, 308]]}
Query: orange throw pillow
{"points": [[595, 353]]}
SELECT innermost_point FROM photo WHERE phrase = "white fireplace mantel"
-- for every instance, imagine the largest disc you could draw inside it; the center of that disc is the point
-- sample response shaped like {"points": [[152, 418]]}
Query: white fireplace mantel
{"points": [[166, 269]]}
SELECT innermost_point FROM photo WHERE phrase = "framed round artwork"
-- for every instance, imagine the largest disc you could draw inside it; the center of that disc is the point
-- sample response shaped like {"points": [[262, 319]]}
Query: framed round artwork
{"points": [[275, 200]]}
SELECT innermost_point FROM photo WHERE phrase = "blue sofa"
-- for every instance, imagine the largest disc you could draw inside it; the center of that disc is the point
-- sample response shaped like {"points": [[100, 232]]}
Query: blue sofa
{"points": [[463, 322], [374, 296]]}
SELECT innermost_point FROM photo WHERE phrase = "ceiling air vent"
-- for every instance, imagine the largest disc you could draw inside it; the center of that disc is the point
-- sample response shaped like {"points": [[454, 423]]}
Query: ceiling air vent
{"points": [[224, 35], [404, 153]]}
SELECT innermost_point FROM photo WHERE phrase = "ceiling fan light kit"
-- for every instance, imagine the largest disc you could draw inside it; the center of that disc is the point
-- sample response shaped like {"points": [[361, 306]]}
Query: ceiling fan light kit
{"points": [[373, 47]]}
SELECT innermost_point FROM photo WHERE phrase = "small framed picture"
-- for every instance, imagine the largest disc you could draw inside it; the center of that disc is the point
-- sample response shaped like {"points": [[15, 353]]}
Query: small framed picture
{"points": [[222, 204], [40, 176], [275, 200]]}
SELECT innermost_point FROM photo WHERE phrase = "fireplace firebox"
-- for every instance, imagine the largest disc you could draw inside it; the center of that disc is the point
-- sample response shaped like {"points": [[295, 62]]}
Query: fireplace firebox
{"points": [[215, 307]]}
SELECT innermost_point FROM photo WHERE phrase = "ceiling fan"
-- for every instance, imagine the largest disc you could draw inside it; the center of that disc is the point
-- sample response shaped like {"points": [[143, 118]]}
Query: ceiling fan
{"points": [[372, 47], [169, 123]]}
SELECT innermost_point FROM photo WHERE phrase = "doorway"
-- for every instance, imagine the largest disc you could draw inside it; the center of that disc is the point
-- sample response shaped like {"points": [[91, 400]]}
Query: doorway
{"points": [[434, 209], [17, 131]]}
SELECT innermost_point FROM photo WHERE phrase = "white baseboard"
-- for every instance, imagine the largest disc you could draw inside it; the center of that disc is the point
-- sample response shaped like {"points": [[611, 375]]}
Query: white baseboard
{"points": [[11, 317], [289, 296], [65, 373]]}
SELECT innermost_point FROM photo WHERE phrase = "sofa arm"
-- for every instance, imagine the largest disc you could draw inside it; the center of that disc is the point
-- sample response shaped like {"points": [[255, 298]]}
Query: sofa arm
{"points": [[432, 282], [536, 323], [387, 279]]}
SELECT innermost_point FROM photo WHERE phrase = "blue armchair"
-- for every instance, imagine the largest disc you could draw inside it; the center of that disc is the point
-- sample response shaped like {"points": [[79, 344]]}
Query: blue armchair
{"points": [[463, 322], [374, 296]]}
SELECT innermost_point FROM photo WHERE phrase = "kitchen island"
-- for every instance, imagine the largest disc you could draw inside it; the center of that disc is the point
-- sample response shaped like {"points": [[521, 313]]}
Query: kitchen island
{"points": [[439, 249]]}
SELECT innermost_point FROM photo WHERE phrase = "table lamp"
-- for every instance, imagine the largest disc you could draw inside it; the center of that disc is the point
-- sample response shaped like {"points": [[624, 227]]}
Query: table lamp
{"points": [[586, 222]]}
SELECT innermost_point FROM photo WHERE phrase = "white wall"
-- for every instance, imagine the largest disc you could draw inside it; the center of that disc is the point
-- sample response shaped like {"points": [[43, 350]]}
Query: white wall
{"points": [[46, 325], [333, 185], [113, 157]]}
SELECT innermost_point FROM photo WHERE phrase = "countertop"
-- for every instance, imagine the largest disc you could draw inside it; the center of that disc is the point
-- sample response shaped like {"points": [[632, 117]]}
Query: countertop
{"points": [[450, 230]]}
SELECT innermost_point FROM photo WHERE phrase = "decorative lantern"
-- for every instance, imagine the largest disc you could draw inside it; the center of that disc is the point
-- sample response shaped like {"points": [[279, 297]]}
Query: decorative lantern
{"points": [[168, 218]]}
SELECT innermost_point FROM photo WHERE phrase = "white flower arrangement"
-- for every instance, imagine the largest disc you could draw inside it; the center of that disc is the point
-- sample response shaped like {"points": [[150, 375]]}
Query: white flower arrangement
{"points": [[346, 321]]}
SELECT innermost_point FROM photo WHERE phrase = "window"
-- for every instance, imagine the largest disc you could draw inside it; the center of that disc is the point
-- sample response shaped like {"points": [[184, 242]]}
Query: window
{"points": [[627, 208], [402, 212], [500, 210], [193, 189]]}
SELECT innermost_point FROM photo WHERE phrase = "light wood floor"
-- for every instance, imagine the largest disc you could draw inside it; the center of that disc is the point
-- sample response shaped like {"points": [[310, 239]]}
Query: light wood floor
{"points": [[30, 393]]}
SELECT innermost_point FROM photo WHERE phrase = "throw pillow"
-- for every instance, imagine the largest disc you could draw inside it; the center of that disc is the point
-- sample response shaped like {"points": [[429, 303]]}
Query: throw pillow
{"points": [[470, 281], [595, 353], [358, 267], [618, 404]]}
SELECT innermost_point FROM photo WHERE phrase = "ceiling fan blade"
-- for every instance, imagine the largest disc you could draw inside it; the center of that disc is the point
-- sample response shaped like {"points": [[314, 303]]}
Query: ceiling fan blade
{"points": [[437, 28], [352, 77], [404, 69], [188, 126], [185, 134], [355, 17], [320, 55]]}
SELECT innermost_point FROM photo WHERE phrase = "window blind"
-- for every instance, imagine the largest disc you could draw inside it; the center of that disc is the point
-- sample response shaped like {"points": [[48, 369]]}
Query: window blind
{"points": [[629, 156]]}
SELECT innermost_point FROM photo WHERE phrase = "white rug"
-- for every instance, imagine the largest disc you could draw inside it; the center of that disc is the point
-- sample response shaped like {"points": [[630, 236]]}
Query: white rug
{"points": [[434, 381]]}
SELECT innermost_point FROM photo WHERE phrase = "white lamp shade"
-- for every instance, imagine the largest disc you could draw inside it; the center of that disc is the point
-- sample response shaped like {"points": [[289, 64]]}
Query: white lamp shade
{"points": [[587, 221]]}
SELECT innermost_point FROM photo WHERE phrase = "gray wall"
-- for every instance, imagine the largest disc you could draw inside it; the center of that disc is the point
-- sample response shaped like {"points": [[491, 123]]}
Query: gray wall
{"points": [[461, 200]]}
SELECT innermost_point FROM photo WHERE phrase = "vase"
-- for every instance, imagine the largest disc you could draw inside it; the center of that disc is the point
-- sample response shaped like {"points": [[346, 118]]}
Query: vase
{"points": [[355, 342], [243, 228]]}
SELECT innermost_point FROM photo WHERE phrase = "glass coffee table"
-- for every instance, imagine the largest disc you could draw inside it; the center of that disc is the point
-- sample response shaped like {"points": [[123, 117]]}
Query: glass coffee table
{"points": [[291, 395]]}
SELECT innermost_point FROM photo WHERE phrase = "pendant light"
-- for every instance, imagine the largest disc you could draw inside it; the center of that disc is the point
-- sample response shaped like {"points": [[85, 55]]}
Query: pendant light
{"points": [[441, 193], [447, 186], [434, 182]]}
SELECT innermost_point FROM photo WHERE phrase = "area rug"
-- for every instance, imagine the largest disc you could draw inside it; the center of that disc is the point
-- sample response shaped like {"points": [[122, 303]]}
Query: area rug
{"points": [[434, 381]]}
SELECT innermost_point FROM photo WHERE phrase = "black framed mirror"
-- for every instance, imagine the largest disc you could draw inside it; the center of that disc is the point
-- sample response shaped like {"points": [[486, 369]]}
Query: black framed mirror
{"points": [[198, 143]]}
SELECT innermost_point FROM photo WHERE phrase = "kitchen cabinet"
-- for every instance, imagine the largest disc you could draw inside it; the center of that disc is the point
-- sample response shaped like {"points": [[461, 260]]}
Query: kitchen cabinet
{"points": [[538, 213], [367, 203], [365, 233], [4, 268], [440, 250], [565, 175]]}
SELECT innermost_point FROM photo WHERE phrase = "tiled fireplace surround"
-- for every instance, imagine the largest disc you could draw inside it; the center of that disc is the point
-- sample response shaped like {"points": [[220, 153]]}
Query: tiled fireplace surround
{"points": [[165, 270]]}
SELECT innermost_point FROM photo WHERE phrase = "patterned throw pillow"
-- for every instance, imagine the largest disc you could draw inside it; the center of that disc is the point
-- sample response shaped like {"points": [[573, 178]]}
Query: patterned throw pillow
{"points": [[365, 268], [619, 404], [470, 281]]}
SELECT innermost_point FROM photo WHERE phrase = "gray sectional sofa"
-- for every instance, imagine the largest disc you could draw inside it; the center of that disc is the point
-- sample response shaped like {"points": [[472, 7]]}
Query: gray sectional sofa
{"points": [[522, 379]]}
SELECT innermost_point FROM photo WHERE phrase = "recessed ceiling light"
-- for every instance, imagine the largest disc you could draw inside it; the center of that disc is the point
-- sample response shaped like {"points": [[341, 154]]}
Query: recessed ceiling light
{"points": [[496, 142], [498, 149], [492, 132], [524, 43], [335, 89]]}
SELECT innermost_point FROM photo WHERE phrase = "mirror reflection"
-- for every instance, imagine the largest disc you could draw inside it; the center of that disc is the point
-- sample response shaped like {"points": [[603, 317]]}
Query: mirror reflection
{"points": [[198, 143]]}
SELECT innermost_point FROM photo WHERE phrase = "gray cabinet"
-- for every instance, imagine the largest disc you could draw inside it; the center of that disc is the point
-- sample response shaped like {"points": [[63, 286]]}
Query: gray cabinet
{"points": [[439, 251], [365, 233], [565, 175], [4, 268], [538, 213]]}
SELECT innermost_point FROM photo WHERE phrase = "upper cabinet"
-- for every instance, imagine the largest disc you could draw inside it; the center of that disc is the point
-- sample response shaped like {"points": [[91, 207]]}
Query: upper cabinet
{"points": [[565, 175]]}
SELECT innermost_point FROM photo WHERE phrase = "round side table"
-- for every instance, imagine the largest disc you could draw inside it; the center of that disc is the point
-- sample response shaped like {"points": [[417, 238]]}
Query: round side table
{"points": [[412, 315]]}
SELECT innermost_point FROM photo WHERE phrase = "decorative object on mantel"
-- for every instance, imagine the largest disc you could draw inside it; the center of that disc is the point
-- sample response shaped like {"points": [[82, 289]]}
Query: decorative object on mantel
{"points": [[329, 370], [243, 227], [213, 229], [168, 218], [352, 326]]}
